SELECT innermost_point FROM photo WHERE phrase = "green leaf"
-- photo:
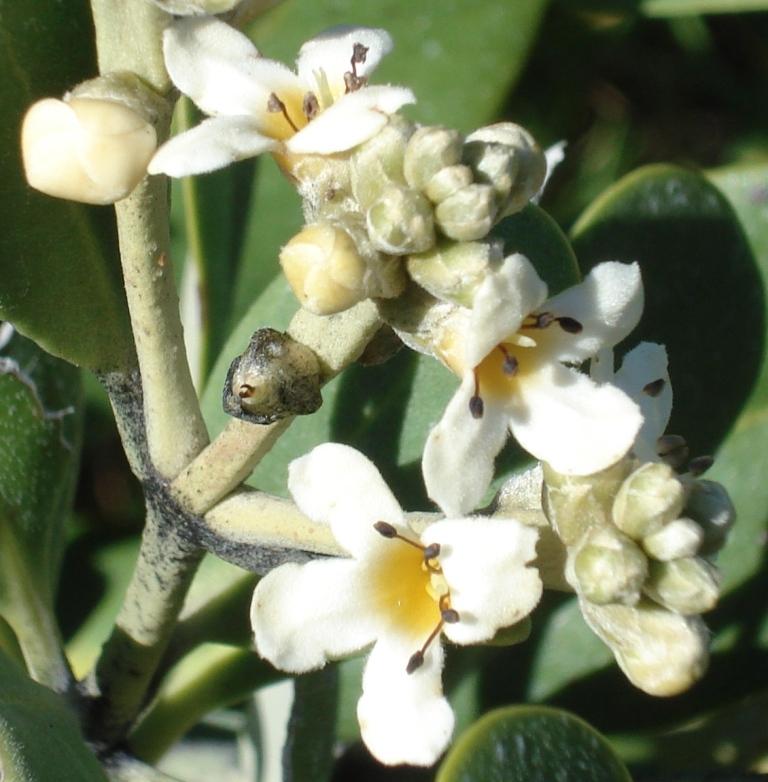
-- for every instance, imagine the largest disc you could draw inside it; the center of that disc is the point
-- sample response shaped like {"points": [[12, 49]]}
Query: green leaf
{"points": [[40, 739], [531, 744], [703, 294], [664, 8], [59, 279]]}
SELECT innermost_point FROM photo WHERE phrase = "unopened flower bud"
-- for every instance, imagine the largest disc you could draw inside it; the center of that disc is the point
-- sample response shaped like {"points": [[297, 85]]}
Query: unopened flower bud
{"points": [[660, 652], [86, 149], [710, 506], [679, 538], [429, 150], [324, 269], [196, 7], [448, 181], [609, 568], [468, 214], [649, 498], [400, 222], [686, 586], [453, 270]]}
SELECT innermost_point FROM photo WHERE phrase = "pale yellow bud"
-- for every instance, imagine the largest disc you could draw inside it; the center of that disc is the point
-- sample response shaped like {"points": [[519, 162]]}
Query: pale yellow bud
{"points": [[468, 214], [400, 222], [448, 181], [429, 150], [84, 149], [324, 269], [679, 538], [686, 586]]}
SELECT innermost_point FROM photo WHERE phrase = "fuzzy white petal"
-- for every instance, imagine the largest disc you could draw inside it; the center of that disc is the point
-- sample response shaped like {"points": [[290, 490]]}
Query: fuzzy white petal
{"points": [[337, 485], [211, 145], [221, 70], [564, 418], [403, 717], [460, 452], [646, 364], [350, 121], [305, 615], [485, 564], [554, 156], [608, 304], [331, 53], [502, 301]]}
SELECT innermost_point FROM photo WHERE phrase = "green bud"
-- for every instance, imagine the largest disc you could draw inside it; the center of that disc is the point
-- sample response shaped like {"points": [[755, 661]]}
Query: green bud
{"points": [[400, 222], [453, 270], [679, 538], [686, 586], [649, 498], [468, 214], [429, 150], [710, 506], [447, 181], [609, 568]]}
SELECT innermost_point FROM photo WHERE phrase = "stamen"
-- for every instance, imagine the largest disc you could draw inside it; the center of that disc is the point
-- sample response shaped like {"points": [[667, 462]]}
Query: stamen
{"points": [[476, 406], [352, 81], [700, 464], [655, 387], [510, 365], [245, 391], [673, 450], [310, 106], [570, 325], [417, 658], [538, 321], [432, 551], [386, 530], [276, 106], [450, 615]]}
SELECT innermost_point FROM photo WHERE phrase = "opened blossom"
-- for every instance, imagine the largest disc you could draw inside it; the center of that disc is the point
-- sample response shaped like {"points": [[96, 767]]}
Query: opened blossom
{"points": [[398, 592], [515, 350], [259, 105]]}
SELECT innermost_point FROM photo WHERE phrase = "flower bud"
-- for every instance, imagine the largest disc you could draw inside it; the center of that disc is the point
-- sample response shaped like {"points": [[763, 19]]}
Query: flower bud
{"points": [[609, 568], [86, 149], [710, 506], [453, 270], [324, 269], [660, 652], [447, 181], [468, 214], [196, 7], [679, 538], [686, 586], [429, 150], [400, 222], [649, 498]]}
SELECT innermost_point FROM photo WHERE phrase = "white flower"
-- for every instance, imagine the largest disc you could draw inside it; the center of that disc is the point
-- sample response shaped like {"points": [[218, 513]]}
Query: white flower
{"points": [[258, 105], [399, 591], [512, 349]]}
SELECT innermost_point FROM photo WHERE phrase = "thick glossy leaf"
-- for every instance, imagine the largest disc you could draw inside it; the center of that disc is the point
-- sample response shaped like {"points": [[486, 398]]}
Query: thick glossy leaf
{"points": [[40, 739], [703, 292], [531, 744], [59, 277], [696, 7]]}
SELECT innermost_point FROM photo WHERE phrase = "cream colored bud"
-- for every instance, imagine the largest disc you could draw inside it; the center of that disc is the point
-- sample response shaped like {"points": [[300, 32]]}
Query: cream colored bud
{"points": [[84, 149], [686, 586], [660, 652], [324, 269], [400, 222], [448, 181], [710, 506], [609, 568], [468, 214], [649, 498], [429, 150], [196, 7], [679, 538], [453, 270]]}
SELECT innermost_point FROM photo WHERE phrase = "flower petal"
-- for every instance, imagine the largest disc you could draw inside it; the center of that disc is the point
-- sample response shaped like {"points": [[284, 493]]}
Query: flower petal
{"points": [[337, 485], [608, 305], [221, 70], [564, 418], [353, 119], [213, 144], [330, 54], [638, 377], [305, 615], [404, 717], [485, 564], [460, 452], [503, 300]]}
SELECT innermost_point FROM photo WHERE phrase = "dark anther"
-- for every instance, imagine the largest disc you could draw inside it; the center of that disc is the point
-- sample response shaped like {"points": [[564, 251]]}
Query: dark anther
{"points": [[359, 53], [509, 367], [673, 450], [416, 661], [245, 391], [700, 464], [654, 388], [476, 407], [432, 551], [352, 81], [385, 530], [276, 106], [310, 106], [570, 325], [450, 616]]}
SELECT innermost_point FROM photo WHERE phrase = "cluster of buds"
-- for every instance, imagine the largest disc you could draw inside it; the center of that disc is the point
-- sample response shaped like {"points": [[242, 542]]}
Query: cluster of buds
{"points": [[407, 203], [640, 540]]}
